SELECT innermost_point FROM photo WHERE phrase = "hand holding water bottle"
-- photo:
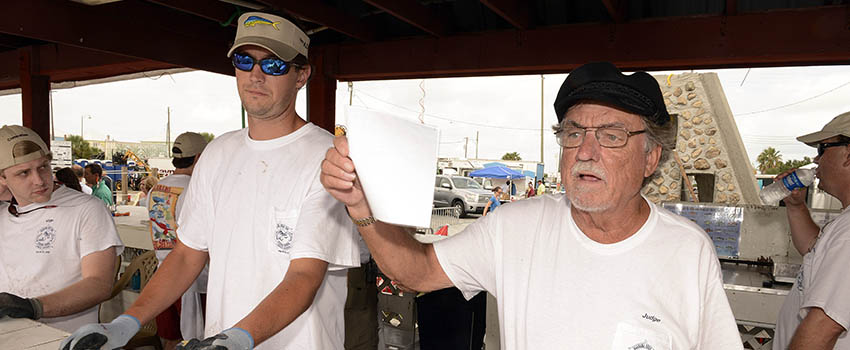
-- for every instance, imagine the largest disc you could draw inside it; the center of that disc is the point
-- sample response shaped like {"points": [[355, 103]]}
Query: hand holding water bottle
{"points": [[790, 186]]}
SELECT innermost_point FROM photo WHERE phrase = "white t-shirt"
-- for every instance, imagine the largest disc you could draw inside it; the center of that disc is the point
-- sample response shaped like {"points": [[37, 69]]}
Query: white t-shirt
{"points": [[255, 205], [823, 282], [42, 250], [659, 289], [86, 189]]}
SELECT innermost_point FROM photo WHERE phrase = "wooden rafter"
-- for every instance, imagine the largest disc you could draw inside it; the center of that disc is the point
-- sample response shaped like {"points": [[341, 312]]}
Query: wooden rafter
{"points": [[175, 38], [415, 14], [616, 9], [331, 17], [216, 11], [516, 12]]}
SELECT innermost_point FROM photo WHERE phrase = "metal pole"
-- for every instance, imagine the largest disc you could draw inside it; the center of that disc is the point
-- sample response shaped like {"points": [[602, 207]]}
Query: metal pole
{"points": [[168, 134], [350, 92], [476, 145], [465, 146], [541, 118], [81, 128]]}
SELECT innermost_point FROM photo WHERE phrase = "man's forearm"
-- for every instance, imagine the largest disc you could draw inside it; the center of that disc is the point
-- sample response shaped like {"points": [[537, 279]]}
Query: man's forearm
{"points": [[75, 298], [398, 255], [816, 332], [171, 280], [803, 228]]}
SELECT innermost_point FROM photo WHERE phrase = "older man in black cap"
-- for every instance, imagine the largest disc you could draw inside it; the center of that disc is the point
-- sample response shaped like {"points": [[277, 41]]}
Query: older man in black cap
{"points": [[600, 267]]}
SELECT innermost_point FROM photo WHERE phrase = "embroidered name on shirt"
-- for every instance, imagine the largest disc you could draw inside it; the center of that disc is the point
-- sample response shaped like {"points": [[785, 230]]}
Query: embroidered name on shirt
{"points": [[651, 317]]}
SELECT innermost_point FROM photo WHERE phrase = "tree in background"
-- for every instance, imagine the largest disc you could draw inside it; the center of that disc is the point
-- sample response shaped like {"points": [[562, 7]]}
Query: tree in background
{"points": [[770, 162], [769, 159], [208, 136], [511, 156], [81, 149]]}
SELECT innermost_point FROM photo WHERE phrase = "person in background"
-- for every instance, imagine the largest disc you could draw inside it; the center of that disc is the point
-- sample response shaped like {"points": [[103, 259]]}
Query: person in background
{"points": [[95, 179], [144, 187], [57, 260], [529, 192], [79, 173], [541, 188], [816, 312], [494, 201], [65, 176]]}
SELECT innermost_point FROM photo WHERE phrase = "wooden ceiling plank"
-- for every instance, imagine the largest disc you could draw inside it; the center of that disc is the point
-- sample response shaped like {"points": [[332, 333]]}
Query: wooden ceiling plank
{"points": [[516, 12], [415, 14], [616, 9], [731, 7], [175, 38], [331, 17], [216, 11], [774, 38]]}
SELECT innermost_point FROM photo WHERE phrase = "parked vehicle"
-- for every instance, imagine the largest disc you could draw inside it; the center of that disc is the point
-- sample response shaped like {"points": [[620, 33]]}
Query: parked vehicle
{"points": [[463, 193]]}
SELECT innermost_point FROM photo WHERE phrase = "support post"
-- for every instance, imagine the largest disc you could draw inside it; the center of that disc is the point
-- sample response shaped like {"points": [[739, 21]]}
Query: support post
{"points": [[35, 94], [321, 90]]}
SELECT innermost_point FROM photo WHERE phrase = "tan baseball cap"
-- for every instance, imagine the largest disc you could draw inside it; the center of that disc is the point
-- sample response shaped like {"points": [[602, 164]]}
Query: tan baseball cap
{"points": [[839, 125], [273, 33], [20, 144], [188, 144]]}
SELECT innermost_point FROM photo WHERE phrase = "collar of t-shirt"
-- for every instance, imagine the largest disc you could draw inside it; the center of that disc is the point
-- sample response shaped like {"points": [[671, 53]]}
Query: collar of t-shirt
{"points": [[262, 145], [61, 197], [614, 248]]}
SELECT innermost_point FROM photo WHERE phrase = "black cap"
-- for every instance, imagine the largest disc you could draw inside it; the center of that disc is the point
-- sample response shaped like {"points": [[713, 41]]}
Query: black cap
{"points": [[637, 93]]}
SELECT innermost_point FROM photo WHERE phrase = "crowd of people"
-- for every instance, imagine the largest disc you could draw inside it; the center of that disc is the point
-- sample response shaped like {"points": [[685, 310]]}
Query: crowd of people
{"points": [[256, 231]]}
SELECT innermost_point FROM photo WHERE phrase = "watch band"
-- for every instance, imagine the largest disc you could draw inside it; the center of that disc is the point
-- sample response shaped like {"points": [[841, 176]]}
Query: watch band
{"points": [[364, 221]]}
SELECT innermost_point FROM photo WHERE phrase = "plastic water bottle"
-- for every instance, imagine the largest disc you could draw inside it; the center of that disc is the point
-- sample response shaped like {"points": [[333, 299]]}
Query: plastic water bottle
{"points": [[773, 193]]}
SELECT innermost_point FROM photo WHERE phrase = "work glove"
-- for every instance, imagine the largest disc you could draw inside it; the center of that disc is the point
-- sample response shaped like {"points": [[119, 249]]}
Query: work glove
{"points": [[229, 339], [16, 307], [103, 336]]}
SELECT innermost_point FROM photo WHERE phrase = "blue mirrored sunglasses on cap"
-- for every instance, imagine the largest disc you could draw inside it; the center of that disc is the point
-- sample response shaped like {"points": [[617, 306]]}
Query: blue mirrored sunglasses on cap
{"points": [[271, 66]]}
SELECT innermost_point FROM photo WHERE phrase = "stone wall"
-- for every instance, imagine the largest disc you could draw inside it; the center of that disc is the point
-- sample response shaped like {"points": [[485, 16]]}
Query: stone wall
{"points": [[707, 142]]}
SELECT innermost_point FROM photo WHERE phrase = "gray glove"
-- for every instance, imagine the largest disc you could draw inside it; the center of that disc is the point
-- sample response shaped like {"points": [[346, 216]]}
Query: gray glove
{"points": [[229, 339], [16, 307], [103, 336]]}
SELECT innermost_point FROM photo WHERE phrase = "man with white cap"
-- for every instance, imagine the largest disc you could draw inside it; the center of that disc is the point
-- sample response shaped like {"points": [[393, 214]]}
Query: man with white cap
{"points": [[816, 312], [184, 318], [278, 244], [57, 259]]}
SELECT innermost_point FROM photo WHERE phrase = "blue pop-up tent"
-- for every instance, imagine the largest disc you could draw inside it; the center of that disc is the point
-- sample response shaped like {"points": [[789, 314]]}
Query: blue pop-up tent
{"points": [[498, 172]]}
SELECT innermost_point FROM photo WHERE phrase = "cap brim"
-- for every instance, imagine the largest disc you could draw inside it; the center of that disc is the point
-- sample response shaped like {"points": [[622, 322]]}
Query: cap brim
{"points": [[285, 52], [816, 137]]}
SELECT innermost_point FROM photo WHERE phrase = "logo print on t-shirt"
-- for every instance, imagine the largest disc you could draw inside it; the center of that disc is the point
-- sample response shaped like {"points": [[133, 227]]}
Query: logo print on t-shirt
{"points": [[283, 237], [642, 345], [45, 239]]}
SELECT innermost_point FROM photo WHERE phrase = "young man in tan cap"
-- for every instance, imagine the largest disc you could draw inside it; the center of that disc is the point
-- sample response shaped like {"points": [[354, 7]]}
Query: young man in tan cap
{"points": [[165, 202], [816, 313], [278, 244], [59, 246]]}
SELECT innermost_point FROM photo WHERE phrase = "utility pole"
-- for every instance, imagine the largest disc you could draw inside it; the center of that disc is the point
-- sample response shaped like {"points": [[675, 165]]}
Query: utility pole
{"points": [[168, 134], [541, 118], [476, 145], [465, 146], [350, 92]]}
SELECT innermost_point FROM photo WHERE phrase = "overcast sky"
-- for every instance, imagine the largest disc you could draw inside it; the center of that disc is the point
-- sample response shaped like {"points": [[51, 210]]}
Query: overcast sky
{"points": [[771, 106]]}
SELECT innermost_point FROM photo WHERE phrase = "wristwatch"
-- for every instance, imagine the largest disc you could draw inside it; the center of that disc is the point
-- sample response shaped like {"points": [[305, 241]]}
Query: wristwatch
{"points": [[364, 221]]}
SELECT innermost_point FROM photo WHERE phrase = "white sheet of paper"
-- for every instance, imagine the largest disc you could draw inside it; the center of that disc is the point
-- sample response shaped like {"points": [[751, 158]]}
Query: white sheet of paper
{"points": [[396, 160]]}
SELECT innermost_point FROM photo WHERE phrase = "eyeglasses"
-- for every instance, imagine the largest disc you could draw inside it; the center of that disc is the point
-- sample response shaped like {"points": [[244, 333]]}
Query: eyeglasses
{"points": [[13, 209], [823, 146], [609, 137], [271, 66]]}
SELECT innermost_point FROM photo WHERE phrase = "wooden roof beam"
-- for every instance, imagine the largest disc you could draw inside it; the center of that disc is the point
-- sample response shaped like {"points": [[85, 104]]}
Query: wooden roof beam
{"points": [[216, 11], [773, 38], [329, 16], [174, 38], [516, 12], [415, 14], [617, 9]]}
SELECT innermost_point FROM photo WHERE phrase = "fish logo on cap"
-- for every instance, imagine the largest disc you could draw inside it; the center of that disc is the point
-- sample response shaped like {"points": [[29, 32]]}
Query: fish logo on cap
{"points": [[254, 20]]}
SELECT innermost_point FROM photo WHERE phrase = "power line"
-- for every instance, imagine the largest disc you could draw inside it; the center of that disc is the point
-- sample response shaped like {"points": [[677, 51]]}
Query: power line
{"points": [[795, 103]]}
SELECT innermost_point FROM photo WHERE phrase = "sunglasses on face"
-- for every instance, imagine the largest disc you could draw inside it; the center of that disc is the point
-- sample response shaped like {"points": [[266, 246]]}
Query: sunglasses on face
{"points": [[823, 146], [271, 66]]}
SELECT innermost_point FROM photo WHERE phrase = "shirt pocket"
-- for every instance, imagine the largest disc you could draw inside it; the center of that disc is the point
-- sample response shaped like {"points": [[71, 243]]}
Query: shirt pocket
{"points": [[283, 230], [631, 337]]}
